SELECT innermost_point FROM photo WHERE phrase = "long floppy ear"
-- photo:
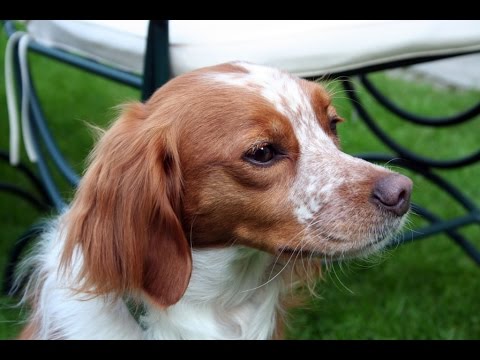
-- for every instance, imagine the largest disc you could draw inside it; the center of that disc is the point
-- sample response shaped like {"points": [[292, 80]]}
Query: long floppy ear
{"points": [[125, 215]]}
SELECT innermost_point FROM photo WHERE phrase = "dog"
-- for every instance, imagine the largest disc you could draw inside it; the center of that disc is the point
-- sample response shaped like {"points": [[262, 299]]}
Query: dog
{"points": [[195, 206]]}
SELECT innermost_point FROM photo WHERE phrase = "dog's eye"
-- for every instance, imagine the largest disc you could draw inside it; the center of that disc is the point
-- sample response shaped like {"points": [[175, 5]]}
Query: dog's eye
{"points": [[261, 153], [333, 123]]}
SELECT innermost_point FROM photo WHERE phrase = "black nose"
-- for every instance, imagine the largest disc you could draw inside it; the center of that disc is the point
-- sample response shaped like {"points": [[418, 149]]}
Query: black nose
{"points": [[392, 193]]}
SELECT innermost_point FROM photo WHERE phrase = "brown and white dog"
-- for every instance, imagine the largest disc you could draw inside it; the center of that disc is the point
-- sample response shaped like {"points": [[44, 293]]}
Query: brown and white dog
{"points": [[197, 202]]}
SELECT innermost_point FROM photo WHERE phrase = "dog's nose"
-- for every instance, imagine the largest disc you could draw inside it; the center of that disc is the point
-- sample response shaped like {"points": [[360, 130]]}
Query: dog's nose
{"points": [[392, 193]]}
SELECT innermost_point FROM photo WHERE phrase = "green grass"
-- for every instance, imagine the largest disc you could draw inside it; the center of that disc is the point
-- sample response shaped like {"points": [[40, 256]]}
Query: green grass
{"points": [[425, 290]]}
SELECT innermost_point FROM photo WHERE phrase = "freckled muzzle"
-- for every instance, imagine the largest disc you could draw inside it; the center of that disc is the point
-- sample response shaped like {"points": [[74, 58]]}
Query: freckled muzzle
{"points": [[358, 208]]}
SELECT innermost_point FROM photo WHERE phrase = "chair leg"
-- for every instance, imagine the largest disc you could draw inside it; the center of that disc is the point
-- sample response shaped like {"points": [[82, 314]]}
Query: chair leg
{"points": [[9, 285], [156, 70]]}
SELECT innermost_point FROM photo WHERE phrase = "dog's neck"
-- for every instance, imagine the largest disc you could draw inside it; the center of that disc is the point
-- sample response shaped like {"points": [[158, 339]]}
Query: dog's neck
{"points": [[233, 294]]}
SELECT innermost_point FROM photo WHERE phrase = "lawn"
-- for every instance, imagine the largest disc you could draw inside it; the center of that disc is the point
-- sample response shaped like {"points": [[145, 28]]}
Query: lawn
{"points": [[425, 290]]}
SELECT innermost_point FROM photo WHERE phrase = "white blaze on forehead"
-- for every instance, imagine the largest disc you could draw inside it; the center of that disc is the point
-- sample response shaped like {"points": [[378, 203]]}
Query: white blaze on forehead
{"points": [[317, 174], [284, 92], [281, 89]]}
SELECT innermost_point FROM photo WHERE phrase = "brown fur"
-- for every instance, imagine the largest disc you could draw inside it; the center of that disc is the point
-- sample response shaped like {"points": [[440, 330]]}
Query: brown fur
{"points": [[131, 208], [324, 111], [171, 173], [125, 215]]}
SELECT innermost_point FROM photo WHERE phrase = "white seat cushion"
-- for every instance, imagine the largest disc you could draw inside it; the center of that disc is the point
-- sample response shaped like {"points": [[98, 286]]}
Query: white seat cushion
{"points": [[305, 48]]}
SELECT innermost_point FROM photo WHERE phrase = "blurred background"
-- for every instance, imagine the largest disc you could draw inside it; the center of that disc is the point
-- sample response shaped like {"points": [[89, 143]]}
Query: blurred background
{"points": [[427, 289]]}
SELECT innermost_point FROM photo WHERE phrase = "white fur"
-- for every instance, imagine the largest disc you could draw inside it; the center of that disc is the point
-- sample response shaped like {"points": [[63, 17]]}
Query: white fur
{"points": [[232, 293], [224, 300]]}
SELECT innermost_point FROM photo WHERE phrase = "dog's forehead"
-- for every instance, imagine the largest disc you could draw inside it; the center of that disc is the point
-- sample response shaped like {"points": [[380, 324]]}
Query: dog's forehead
{"points": [[292, 97]]}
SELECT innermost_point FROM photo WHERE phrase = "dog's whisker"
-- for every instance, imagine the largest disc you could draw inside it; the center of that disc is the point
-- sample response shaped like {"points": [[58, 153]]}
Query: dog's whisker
{"points": [[272, 278], [300, 233]]}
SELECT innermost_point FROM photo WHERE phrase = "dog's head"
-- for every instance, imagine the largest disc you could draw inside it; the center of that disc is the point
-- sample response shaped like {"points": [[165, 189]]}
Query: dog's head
{"points": [[230, 154]]}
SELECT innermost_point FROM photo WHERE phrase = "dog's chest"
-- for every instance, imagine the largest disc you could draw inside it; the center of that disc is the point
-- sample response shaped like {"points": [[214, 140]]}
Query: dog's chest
{"points": [[253, 319], [230, 296]]}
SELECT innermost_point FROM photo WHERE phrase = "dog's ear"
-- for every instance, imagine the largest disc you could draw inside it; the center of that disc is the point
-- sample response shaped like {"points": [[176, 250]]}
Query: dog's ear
{"points": [[125, 215]]}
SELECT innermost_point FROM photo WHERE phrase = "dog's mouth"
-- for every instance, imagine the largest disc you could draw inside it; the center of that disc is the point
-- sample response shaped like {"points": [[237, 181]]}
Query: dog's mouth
{"points": [[367, 248], [334, 247]]}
